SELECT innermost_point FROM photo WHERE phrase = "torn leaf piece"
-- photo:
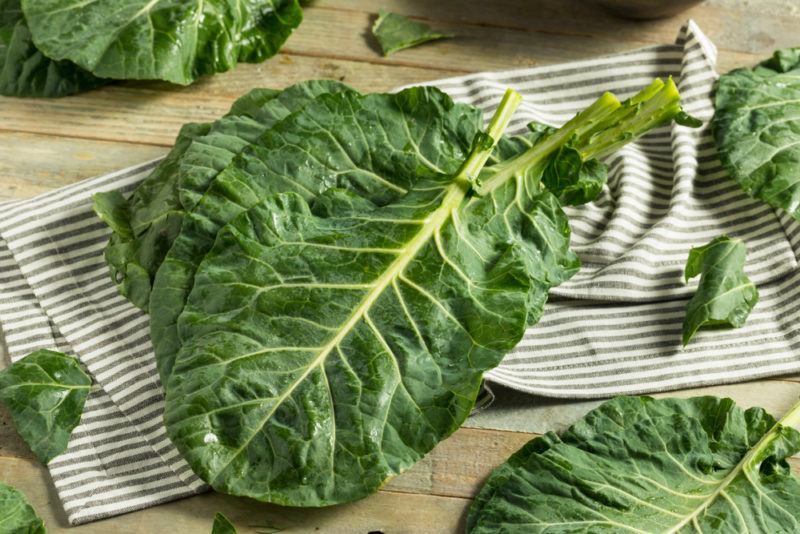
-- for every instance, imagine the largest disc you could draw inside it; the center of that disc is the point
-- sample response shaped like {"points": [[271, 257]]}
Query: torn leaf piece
{"points": [[725, 295], [396, 32], [222, 525], [45, 392]]}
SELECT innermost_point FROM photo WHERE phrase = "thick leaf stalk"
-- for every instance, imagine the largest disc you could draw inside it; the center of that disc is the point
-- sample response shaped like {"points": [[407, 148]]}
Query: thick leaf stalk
{"points": [[599, 130]]}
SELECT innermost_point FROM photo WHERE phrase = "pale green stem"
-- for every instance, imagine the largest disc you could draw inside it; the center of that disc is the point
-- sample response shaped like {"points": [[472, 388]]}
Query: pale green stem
{"points": [[477, 159]]}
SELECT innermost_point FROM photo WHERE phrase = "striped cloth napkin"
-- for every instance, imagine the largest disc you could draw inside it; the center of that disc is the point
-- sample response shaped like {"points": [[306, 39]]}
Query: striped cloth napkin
{"points": [[614, 328]]}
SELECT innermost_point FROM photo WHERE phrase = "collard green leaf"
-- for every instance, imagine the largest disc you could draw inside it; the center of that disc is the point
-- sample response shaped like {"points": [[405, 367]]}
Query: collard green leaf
{"points": [[172, 40], [145, 229], [17, 516], [756, 127], [322, 352], [25, 71], [45, 392], [222, 525], [374, 145], [725, 295], [380, 323], [637, 464], [395, 32]]}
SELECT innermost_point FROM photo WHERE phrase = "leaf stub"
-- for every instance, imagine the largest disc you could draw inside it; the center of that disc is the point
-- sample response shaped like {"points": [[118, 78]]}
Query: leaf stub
{"points": [[639, 464], [45, 393], [725, 295]]}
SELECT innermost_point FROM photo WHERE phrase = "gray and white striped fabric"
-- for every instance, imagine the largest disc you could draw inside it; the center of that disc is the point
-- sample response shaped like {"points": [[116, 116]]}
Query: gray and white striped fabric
{"points": [[614, 328]]}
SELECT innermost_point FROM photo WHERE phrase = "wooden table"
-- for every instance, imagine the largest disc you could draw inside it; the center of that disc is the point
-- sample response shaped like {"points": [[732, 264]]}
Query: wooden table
{"points": [[45, 144]]}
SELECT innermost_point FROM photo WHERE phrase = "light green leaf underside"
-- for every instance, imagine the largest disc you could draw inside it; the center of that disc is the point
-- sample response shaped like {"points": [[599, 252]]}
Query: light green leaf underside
{"points": [[646, 466], [45, 393]]}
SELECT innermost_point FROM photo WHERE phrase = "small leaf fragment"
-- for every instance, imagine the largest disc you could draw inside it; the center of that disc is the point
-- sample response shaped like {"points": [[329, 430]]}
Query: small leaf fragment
{"points": [[572, 179], [45, 393], [725, 295], [17, 516], [396, 32], [222, 525]]}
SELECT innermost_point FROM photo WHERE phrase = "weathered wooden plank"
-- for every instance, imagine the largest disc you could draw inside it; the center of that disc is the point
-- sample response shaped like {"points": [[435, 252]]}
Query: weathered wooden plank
{"points": [[31, 164], [345, 53], [153, 113], [385, 511], [774, 27]]}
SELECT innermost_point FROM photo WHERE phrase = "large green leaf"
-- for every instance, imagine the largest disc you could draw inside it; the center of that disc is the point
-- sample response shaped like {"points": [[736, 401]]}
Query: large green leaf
{"points": [[172, 40], [17, 516], [396, 32], [45, 392], [25, 71], [375, 145], [725, 295], [636, 464], [146, 225], [328, 346], [757, 129]]}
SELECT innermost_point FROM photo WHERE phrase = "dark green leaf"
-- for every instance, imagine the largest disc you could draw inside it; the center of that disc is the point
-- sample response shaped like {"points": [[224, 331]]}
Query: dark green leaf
{"points": [[395, 32], [157, 208], [45, 392], [25, 71], [222, 525], [573, 180], [757, 129], [351, 344], [636, 464], [725, 295], [375, 145], [153, 39], [113, 209], [684, 119], [320, 355], [17, 516], [783, 60], [146, 224]]}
